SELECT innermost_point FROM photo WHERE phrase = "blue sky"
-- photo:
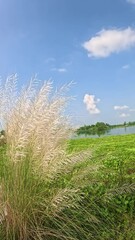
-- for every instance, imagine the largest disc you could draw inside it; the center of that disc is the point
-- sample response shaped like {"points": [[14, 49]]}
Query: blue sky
{"points": [[90, 42]]}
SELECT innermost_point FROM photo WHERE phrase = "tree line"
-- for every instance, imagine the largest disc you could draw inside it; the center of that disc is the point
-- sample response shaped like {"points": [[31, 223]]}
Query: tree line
{"points": [[100, 128]]}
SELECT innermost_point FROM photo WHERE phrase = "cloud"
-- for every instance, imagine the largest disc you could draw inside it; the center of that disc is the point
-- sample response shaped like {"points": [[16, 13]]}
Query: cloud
{"points": [[127, 66], [90, 102], [124, 107], [110, 41], [131, 1], [60, 70], [123, 115], [121, 107]]}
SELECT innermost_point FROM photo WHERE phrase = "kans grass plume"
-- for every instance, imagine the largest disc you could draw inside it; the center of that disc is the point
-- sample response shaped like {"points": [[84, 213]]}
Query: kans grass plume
{"points": [[33, 193]]}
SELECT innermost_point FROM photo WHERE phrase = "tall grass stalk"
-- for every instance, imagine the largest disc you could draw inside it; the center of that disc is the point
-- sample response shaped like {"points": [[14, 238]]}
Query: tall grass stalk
{"points": [[33, 195]]}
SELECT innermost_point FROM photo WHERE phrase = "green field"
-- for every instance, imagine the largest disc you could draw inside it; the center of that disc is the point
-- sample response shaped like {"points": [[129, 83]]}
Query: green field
{"points": [[110, 190], [105, 174]]}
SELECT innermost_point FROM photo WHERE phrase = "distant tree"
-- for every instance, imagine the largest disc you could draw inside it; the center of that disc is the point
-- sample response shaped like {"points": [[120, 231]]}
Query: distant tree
{"points": [[99, 128], [2, 132]]}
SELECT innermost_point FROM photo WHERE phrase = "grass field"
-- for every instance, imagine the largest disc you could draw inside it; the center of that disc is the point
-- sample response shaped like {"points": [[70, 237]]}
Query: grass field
{"points": [[106, 180], [110, 190]]}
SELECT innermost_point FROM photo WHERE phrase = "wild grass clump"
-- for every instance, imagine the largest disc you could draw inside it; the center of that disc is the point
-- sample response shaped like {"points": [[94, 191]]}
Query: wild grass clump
{"points": [[35, 200]]}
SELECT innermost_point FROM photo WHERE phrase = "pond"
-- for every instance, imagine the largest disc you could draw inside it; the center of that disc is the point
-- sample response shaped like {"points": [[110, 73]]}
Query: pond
{"points": [[111, 132]]}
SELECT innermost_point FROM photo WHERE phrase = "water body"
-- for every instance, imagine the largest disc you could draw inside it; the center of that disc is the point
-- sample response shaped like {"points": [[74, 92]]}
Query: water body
{"points": [[111, 132]]}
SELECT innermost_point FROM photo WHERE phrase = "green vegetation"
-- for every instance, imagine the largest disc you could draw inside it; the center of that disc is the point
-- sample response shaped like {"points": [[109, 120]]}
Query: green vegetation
{"points": [[54, 189], [125, 124], [110, 192], [100, 128]]}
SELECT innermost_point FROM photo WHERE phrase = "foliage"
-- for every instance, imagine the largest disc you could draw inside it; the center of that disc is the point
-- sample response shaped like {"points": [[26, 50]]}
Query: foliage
{"points": [[2, 132], [99, 128]]}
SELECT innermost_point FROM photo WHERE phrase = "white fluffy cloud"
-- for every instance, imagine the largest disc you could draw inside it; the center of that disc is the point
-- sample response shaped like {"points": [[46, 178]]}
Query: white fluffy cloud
{"points": [[91, 103], [110, 41], [121, 107], [123, 115], [131, 1]]}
